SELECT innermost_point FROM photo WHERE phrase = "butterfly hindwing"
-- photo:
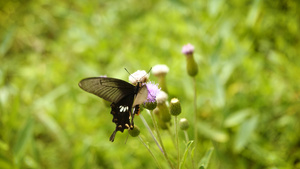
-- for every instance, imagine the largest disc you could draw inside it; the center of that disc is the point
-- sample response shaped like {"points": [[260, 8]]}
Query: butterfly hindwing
{"points": [[122, 113]]}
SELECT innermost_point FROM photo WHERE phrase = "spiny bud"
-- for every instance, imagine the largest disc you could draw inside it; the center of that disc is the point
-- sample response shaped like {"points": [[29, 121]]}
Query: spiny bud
{"points": [[150, 105], [175, 107], [134, 132], [192, 67], [183, 124]]}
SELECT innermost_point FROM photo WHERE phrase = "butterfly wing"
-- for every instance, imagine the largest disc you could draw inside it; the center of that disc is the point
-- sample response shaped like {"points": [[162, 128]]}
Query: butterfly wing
{"points": [[121, 112], [110, 89], [141, 96]]}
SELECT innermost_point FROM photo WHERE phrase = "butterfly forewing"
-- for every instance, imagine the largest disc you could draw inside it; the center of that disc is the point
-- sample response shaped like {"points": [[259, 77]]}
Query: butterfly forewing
{"points": [[110, 89]]}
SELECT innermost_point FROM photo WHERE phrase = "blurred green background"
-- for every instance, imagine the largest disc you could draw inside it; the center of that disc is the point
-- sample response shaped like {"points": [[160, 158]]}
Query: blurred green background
{"points": [[248, 85]]}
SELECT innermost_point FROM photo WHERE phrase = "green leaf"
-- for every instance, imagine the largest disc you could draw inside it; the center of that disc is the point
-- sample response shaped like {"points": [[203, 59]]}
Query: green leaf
{"points": [[237, 117], [244, 133], [53, 127], [253, 13], [23, 139], [7, 41], [214, 134], [185, 153], [205, 160], [5, 158]]}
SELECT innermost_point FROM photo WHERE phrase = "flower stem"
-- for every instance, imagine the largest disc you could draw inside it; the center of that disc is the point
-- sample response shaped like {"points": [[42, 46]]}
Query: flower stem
{"points": [[187, 140], [195, 111], [160, 140], [195, 117], [171, 136], [186, 136], [150, 152], [154, 138], [177, 140]]}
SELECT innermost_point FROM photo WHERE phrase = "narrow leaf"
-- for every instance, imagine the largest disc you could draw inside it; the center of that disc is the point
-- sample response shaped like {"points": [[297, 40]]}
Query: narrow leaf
{"points": [[53, 127], [205, 160], [237, 117], [185, 153], [214, 134], [23, 139], [244, 133]]}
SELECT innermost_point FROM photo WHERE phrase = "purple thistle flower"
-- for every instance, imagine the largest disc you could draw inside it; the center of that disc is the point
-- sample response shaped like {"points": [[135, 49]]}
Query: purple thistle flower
{"points": [[187, 49], [153, 90]]}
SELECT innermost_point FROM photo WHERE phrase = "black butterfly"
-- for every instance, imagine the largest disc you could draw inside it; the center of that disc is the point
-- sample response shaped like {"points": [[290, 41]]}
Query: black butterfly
{"points": [[124, 96]]}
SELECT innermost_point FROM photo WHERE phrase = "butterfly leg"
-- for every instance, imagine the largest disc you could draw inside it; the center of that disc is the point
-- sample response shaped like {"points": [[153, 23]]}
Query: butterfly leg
{"points": [[136, 110]]}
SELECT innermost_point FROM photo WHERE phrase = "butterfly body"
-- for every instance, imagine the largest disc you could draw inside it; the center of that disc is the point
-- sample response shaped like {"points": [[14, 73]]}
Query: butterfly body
{"points": [[124, 96]]}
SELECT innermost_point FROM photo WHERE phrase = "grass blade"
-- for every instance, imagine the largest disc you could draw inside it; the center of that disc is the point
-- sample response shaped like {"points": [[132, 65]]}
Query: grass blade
{"points": [[185, 153], [205, 160], [23, 139]]}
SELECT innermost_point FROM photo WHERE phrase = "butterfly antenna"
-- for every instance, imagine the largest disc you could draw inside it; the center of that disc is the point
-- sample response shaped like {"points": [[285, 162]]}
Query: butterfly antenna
{"points": [[141, 77], [127, 71], [149, 70], [147, 73], [130, 74]]}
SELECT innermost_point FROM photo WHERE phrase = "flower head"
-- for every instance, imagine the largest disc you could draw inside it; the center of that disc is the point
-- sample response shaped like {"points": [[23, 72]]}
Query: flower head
{"points": [[192, 67], [161, 97], [184, 124], [153, 90], [158, 70], [187, 49], [139, 76], [175, 107]]}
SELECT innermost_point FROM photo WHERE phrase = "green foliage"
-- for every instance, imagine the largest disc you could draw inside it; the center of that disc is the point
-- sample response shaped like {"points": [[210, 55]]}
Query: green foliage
{"points": [[247, 83]]}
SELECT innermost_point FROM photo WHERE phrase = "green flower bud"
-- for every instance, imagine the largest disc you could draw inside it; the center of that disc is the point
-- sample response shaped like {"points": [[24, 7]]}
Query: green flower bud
{"points": [[192, 67], [183, 124], [175, 107], [134, 132], [150, 105]]}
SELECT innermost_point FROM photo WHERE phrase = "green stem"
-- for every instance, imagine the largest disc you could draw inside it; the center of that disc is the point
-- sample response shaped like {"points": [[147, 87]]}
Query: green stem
{"points": [[150, 131], [159, 138], [177, 140], [187, 140], [186, 136], [171, 136], [150, 152], [195, 118]]}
